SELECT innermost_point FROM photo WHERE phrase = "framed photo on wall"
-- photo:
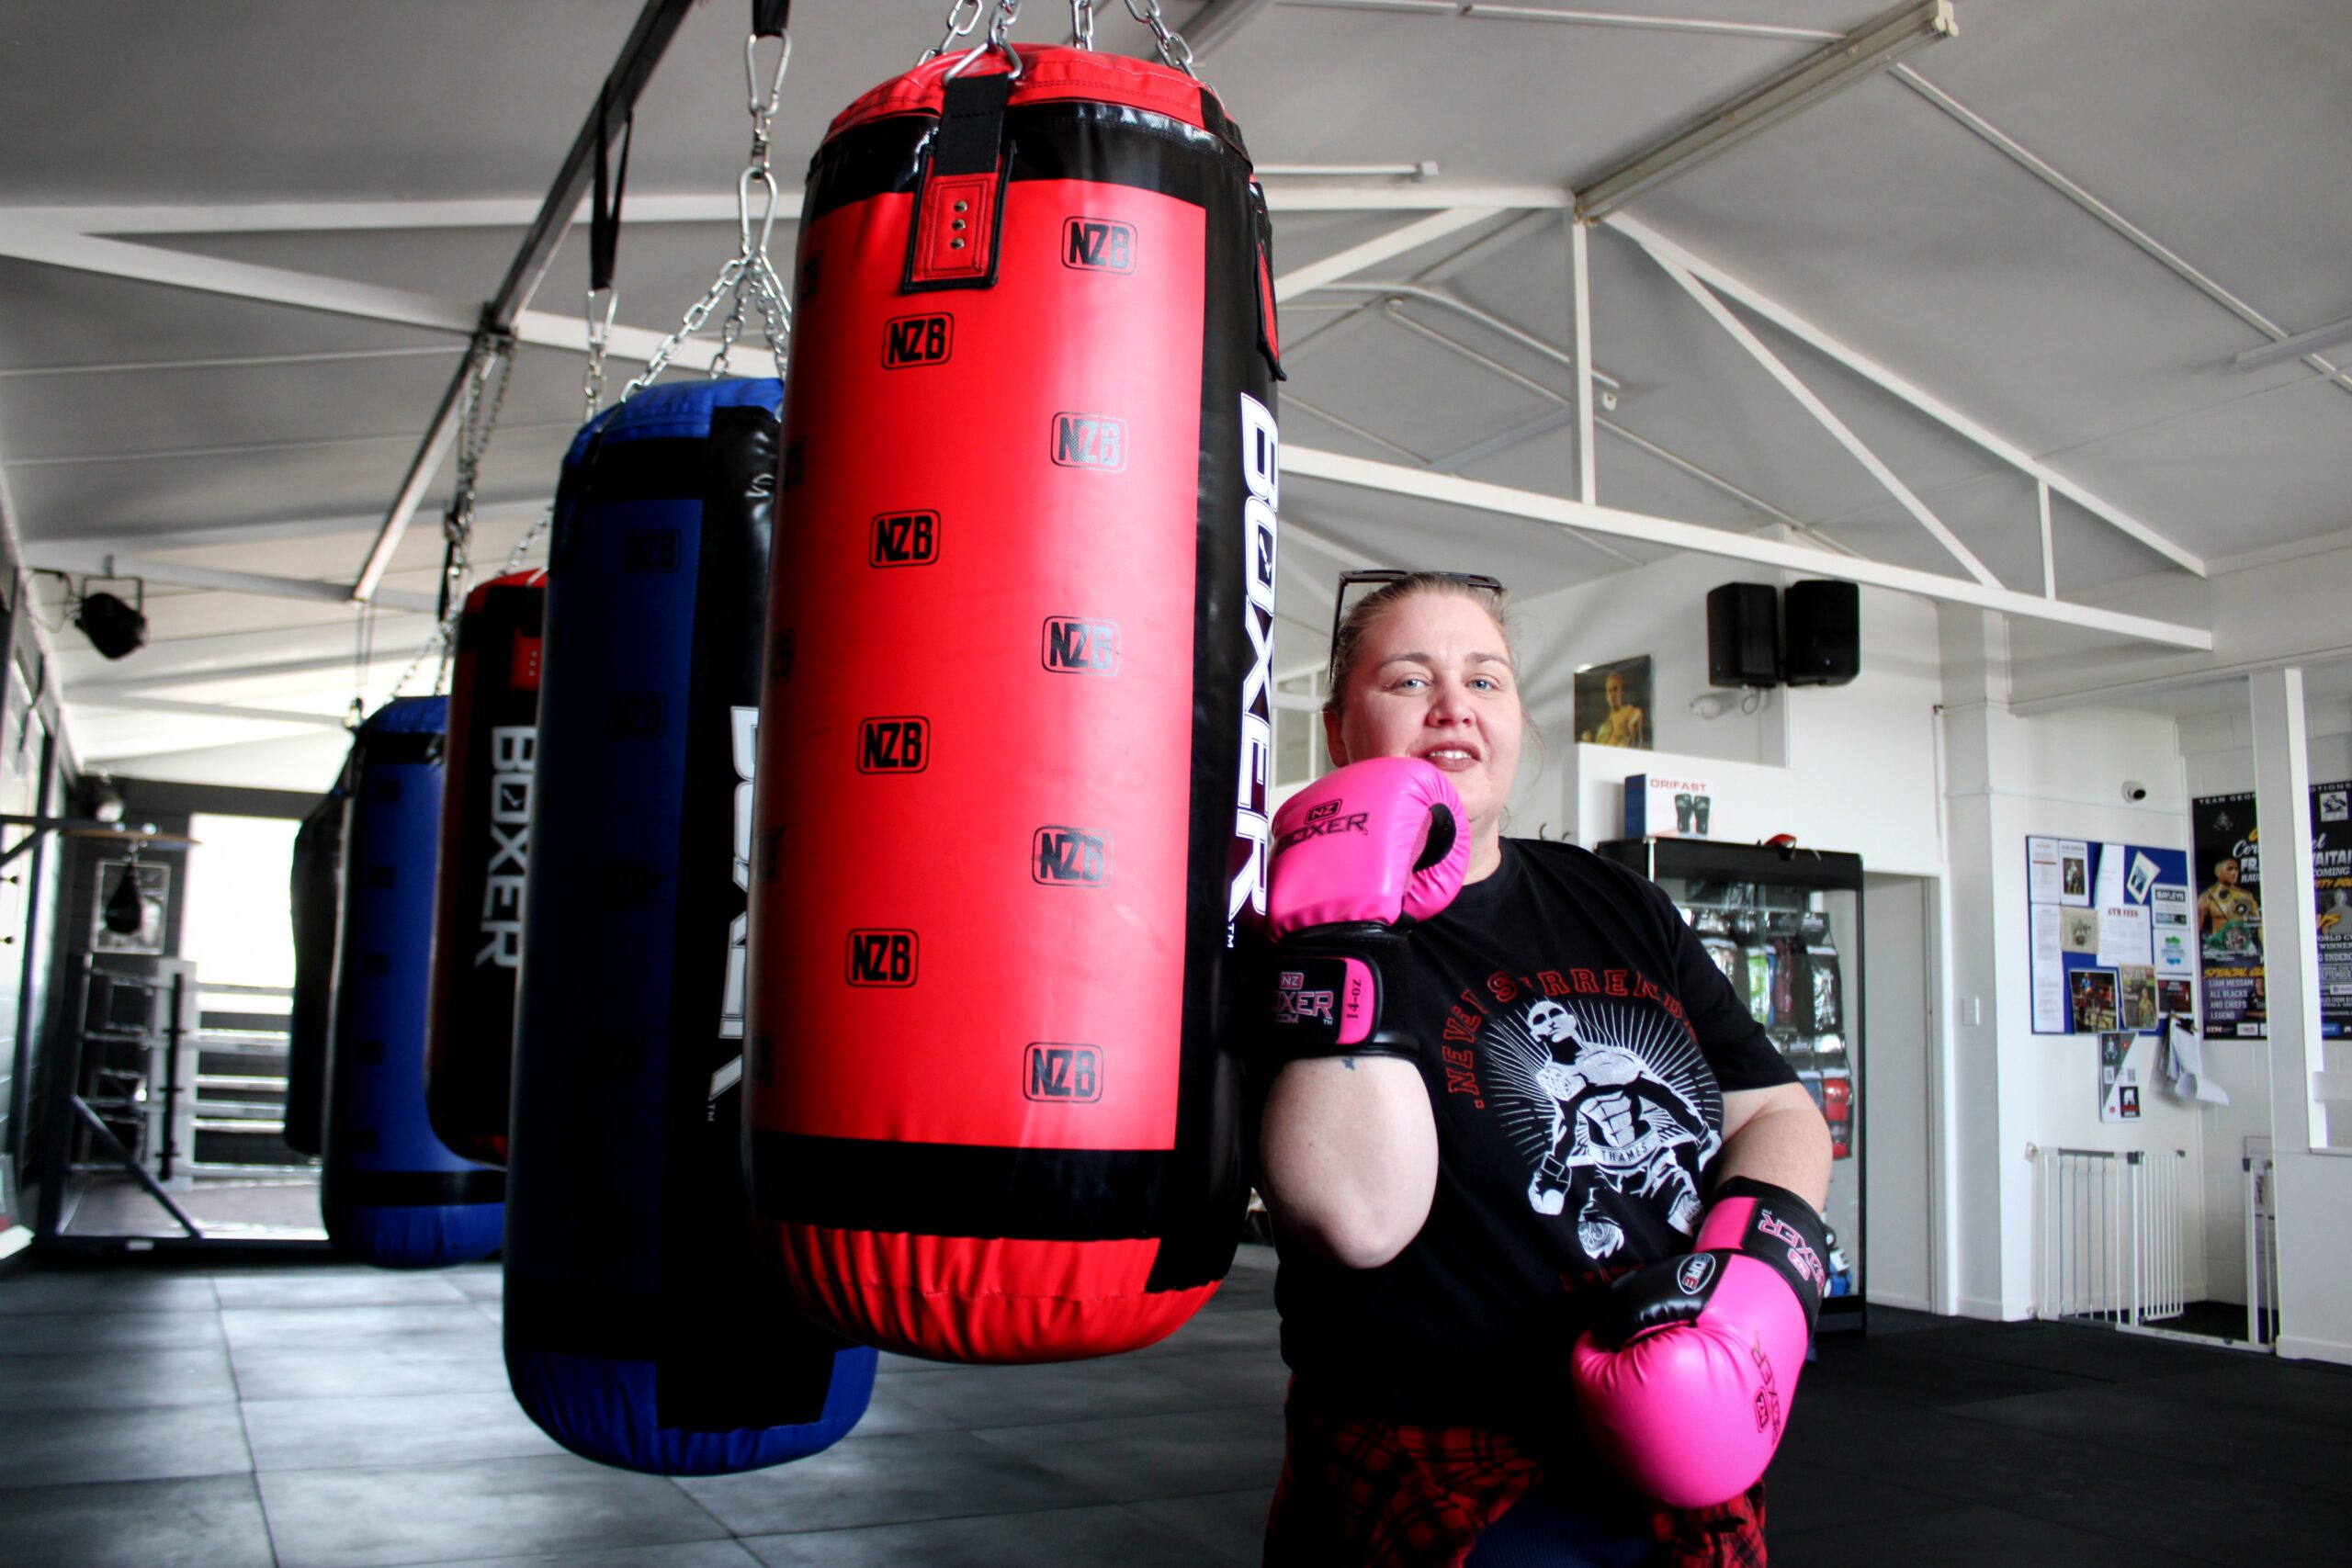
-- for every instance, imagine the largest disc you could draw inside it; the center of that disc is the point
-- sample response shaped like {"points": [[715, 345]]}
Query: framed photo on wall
{"points": [[155, 884], [1614, 704]]}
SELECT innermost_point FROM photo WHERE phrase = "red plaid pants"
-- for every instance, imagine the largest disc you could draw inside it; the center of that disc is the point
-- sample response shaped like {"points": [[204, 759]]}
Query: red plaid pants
{"points": [[1360, 1492]]}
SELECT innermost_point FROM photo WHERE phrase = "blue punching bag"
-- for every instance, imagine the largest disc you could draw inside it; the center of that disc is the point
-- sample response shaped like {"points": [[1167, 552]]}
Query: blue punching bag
{"points": [[391, 1193], [315, 890], [644, 1326]]}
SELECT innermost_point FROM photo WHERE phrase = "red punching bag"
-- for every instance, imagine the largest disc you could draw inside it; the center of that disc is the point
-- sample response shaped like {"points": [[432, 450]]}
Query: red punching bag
{"points": [[1007, 870], [485, 849]]}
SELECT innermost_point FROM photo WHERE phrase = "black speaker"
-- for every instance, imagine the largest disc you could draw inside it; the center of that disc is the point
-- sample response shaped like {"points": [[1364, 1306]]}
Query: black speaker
{"points": [[1824, 623], [1744, 635]]}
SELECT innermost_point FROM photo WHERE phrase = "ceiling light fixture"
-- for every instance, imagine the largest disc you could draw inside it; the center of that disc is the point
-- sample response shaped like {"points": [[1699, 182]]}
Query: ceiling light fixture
{"points": [[1861, 54]]}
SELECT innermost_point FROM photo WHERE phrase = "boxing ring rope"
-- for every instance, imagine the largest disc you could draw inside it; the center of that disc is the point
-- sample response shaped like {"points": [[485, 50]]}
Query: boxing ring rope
{"points": [[2112, 1247]]}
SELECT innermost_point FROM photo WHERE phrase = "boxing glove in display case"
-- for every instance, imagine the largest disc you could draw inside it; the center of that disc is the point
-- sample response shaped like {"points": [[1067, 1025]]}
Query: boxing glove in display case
{"points": [[1785, 926]]}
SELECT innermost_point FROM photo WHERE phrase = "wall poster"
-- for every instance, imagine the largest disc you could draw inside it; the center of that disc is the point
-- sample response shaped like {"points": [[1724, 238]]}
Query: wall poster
{"points": [[2111, 933], [2228, 849]]}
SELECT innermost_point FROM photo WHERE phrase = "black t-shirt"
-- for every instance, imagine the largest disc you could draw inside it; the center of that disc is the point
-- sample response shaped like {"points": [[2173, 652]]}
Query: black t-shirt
{"points": [[1576, 1041]]}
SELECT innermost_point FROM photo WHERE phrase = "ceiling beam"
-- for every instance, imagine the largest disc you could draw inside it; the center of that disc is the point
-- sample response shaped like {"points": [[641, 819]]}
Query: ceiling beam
{"points": [[2156, 250], [1838, 428], [1870, 369], [1481, 11], [1284, 194], [1379, 248], [656, 25], [77, 558], [1452, 489], [1860, 55], [1214, 24], [123, 702]]}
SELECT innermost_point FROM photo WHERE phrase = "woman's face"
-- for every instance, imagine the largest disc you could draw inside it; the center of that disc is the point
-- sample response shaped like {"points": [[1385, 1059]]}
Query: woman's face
{"points": [[1434, 681]]}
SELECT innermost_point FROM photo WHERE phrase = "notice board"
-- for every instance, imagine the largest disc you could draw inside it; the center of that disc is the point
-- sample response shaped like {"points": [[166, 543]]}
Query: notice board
{"points": [[2114, 939]]}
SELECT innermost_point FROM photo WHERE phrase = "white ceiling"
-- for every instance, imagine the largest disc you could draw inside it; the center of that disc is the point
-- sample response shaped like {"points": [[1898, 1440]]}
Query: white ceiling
{"points": [[202, 430]]}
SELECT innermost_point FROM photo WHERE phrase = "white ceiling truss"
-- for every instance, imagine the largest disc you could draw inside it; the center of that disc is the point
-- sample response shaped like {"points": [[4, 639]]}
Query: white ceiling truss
{"points": [[43, 235], [1340, 293]]}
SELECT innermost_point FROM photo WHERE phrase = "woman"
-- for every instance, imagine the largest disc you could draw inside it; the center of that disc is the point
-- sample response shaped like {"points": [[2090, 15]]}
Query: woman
{"points": [[1446, 1223]]}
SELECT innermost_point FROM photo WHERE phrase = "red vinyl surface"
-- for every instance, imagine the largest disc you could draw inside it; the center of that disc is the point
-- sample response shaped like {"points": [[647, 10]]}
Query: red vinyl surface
{"points": [[946, 845]]}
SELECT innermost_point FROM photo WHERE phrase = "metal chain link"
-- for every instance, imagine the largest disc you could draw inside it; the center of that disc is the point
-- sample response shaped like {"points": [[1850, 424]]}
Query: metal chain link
{"points": [[600, 338], [969, 11], [1172, 47], [749, 277], [1081, 23], [491, 371]]}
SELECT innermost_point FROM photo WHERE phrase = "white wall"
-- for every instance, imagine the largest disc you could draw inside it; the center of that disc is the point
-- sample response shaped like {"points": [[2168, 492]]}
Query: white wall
{"points": [[2218, 759], [2012, 777], [1861, 759]]}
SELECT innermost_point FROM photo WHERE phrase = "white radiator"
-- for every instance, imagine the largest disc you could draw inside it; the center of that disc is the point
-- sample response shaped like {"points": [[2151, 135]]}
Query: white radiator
{"points": [[2113, 1249]]}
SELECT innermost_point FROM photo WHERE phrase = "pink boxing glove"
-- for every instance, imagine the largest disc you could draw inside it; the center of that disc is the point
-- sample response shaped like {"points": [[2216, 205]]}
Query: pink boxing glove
{"points": [[1360, 856], [1685, 1382]]}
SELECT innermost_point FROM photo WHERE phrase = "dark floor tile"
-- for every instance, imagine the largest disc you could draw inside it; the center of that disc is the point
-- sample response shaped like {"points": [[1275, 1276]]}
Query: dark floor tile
{"points": [[1243, 1328], [112, 1380], [420, 1429], [1801, 1494], [426, 1513], [483, 1281], [686, 1554], [420, 1363], [288, 1327], [2236, 1519], [1136, 1458], [1231, 1523], [1886, 1320], [1900, 1372], [1067, 1538], [1227, 1378], [336, 1288], [104, 1289], [2309, 1394], [151, 1444], [71, 1333], [888, 1411], [212, 1522], [886, 1480], [2151, 1419], [2323, 1467], [1951, 1455], [1063, 1391], [2076, 1349], [1968, 1537]]}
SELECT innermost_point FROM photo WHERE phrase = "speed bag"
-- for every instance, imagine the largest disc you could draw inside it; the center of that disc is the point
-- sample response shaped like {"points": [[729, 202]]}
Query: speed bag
{"points": [[315, 889], [634, 1275], [1015, 743], [485, 849], [391, 1193]]}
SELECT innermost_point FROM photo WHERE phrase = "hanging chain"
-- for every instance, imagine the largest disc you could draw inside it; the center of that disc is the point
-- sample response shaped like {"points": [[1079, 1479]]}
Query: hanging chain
{"points": [[1081, 23], [1172, 47], [999, 39], [749, 277], [962, 18]]}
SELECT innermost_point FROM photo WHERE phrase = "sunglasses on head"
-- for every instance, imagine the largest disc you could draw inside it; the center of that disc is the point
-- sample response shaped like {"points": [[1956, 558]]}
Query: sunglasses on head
{"points": [[1380, 577]]}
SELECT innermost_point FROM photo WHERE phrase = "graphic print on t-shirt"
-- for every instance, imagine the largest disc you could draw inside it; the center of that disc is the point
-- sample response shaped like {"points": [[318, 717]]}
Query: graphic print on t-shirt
{"points": [[1611, 1104]]}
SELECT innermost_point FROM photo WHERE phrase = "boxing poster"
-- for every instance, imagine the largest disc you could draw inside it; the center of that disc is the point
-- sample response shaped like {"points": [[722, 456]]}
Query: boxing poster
{"points": [[2122, 1066], [2229, 910]]}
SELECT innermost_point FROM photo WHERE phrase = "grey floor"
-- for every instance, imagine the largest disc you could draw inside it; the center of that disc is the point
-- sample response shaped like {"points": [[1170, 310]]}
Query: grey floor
{"points": [[326, 1415]]}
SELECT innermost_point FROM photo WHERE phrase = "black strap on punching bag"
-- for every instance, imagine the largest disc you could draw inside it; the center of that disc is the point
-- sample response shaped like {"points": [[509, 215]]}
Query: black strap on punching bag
{"points": [[959, 205]]}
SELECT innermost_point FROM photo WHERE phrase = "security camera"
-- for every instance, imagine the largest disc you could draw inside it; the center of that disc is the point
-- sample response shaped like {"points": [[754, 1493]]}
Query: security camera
{"points": [[2134, 791]]}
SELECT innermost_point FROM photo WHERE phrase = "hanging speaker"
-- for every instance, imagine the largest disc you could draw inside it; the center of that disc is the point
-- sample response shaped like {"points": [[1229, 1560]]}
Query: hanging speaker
{"points": [[1744, 635], [1823, 624]]}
